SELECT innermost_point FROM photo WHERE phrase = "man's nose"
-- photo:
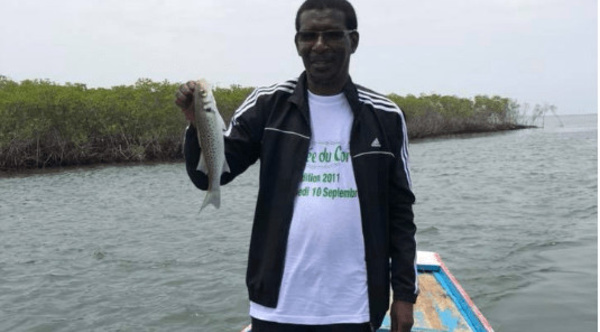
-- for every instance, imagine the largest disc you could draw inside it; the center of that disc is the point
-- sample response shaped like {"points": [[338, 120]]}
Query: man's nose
{"points": [[320, 43]]}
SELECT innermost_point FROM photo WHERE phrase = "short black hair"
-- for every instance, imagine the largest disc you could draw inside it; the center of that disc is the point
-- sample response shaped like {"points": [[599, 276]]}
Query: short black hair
{"points": [[341, 5]]}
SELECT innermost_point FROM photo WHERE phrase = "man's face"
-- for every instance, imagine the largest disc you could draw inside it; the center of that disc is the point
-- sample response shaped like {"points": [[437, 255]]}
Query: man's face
{"points": [[326, 56]]}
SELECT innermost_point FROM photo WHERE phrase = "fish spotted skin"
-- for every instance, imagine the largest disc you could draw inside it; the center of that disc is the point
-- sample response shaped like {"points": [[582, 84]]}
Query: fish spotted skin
{"points": [[209, 128]]}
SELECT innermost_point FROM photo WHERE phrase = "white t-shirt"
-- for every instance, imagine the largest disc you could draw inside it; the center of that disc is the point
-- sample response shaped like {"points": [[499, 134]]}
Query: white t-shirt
{"points": [[325, 275]]}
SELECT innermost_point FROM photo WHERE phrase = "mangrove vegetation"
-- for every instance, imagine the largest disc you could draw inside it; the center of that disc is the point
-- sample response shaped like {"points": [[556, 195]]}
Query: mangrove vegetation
{"points": [[45, 124]]}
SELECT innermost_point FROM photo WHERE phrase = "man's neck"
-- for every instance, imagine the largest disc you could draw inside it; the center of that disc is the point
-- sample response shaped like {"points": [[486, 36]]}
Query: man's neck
{"points": [[326, 89]]}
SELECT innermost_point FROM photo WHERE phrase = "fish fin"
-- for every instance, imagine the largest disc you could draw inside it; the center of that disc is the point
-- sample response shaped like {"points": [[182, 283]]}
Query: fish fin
{"points": [[202, 164], [212, 197], [221, 121]]}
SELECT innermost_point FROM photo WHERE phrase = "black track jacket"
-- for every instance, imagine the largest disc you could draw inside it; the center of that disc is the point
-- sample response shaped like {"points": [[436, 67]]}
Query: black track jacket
{"points": [[273, 125]]}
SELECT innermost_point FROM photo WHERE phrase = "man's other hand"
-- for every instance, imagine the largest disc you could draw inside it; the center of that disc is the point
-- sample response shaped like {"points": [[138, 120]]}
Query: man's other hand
{"points": [[184, 98], [402, 316]]}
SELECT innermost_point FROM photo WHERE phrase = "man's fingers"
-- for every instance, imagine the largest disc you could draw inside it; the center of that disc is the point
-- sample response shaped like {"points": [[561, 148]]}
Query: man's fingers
{"points": [[188, 88], [191, 85], [182, 104], [184, 95], [179, 95], [182, 101]]}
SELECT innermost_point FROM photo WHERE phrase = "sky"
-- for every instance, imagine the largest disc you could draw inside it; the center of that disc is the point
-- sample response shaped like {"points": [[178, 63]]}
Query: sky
{"points": [[532, 51]]}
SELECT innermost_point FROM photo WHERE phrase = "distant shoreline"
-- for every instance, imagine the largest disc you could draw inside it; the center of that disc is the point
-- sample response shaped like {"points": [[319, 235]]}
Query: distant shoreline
{"points": [[474, 132], [18, 172], [47, 125]]}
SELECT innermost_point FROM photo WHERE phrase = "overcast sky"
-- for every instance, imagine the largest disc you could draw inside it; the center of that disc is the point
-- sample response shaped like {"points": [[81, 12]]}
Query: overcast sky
{"points": [[533, 51]]}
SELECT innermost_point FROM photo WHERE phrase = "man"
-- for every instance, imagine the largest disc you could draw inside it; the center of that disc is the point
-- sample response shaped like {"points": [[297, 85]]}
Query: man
{"points": [[334, 203]]}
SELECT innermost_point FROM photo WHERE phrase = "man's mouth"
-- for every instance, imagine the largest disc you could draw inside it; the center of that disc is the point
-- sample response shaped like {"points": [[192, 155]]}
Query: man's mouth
{"points": [[321, 62], [321, 58]]}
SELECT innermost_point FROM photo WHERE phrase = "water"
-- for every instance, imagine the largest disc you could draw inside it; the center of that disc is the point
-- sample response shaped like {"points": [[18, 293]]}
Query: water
{"points": [[513, 214]]}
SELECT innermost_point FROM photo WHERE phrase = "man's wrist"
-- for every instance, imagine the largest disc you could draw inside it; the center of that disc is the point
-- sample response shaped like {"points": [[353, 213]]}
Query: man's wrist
{"points": [[410, 298]]}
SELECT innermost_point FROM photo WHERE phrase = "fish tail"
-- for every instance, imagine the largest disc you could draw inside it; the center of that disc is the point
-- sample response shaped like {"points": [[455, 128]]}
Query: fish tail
{"points": [[212, 197]]}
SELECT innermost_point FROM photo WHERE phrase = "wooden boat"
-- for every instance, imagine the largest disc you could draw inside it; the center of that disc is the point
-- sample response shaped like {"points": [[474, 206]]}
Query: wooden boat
{"points": [[442, 305]]}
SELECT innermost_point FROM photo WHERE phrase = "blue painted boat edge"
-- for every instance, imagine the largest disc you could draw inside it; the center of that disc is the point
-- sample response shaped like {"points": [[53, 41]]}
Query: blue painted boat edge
{"points": [[449, 283], [460, 301], [428, 268], [386, 322], [474, 317]]}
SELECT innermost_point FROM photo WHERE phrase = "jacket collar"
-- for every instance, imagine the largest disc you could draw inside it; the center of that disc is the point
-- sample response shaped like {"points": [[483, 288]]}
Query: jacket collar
{"points": [[300, 95]]}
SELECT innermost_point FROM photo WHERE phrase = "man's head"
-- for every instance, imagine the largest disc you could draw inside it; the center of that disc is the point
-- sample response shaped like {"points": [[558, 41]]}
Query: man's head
{"points": [[341, 5], [326, 36]]}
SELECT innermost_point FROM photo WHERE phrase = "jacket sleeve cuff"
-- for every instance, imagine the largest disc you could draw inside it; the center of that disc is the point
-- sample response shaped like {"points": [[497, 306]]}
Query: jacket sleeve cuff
{"points": [[411, 298]]}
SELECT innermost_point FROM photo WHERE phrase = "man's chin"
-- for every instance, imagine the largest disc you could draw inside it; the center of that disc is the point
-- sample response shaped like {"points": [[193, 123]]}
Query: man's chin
{"points": [[321, 76]]}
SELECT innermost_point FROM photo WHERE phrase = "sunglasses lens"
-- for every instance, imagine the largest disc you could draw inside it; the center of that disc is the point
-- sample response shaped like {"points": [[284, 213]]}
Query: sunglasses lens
{"points": [[328, 36], [333, 36], [307, 36]]}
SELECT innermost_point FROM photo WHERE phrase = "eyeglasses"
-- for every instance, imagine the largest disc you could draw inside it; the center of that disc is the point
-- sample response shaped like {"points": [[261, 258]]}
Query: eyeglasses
{"points": [[329, 36]]}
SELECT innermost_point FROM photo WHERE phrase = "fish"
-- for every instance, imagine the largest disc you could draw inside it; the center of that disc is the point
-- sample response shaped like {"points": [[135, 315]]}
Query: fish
{"points": [[209, 128]]}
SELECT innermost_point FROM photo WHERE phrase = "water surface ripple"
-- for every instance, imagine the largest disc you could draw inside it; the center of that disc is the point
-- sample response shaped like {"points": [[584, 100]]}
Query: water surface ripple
{"points": [[513, 214]]}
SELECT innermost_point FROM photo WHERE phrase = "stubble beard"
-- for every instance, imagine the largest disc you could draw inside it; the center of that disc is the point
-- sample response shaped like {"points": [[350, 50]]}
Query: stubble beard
{"points": [[326, 79]]}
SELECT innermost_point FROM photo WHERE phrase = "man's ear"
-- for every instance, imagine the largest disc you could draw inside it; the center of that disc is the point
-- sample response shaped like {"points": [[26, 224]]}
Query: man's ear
{"points": [[296, 43], [354, 38]]}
